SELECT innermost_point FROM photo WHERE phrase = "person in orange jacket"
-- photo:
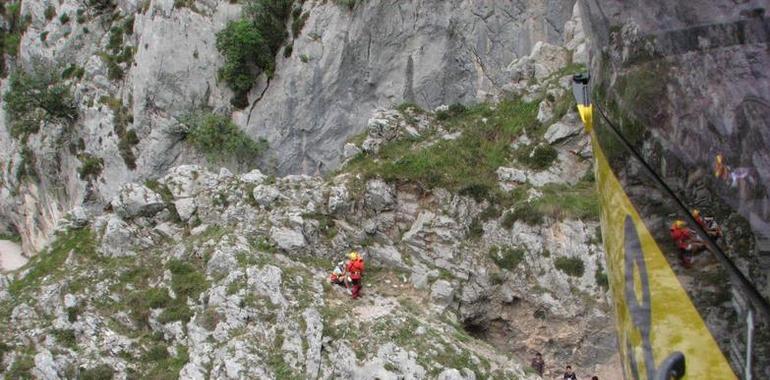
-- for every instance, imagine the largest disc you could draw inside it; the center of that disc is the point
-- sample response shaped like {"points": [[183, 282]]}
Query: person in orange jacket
{"points": [[355, 269], [688, 244]]}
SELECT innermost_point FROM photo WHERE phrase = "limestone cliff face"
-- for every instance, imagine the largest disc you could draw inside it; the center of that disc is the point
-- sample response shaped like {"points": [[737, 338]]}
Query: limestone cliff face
{"points": [[345, 64]]}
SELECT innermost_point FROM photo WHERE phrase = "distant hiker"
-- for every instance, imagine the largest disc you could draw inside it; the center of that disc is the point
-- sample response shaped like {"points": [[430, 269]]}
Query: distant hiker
{"points": [[708, 224], [355, 269], [538, 364], [338, 276], [568, 374], [684, 240]]}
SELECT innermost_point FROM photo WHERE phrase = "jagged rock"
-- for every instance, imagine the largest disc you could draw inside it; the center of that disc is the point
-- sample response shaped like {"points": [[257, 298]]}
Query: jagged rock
{"points": [[509, 178], [547, 59], [45, 366], [454, 374], [287, 239], [545, 111], [267, 281], [560, 131], [118, 239], [168, 230], [23, 316], [313, 335], [136, 200], [186, 181], [385, 255], [350, 150], [254, 177], [264, 195], [185, 207], [442, 292], [222, 262], [338, 199], [379, 196], [70, 300]]}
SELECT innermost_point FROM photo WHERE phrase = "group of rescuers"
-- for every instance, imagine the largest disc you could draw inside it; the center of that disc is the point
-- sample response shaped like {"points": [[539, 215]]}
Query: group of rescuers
{"points": [[687, 240], [349, 274]]}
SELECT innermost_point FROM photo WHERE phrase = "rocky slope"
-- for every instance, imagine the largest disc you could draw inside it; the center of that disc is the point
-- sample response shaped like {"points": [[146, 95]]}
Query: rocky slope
{"points": [[138, 68], [202, 274]]}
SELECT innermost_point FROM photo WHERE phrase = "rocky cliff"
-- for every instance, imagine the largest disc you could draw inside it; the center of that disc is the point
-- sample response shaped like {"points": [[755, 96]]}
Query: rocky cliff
{"points": [[137, 68], [160, 251]]}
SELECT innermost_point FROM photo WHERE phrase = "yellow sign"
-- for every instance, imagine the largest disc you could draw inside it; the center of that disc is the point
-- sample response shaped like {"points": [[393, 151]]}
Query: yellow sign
{"points": [[654, 314]]}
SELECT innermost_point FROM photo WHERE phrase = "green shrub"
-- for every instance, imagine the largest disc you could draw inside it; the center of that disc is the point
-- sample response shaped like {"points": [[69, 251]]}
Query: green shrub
{"points": [[526, 213], [156, 353], [249, 45], [127, 138], [11, 43], [100, 372], [102, 6], [21, 368], [244, 50], [65, 337], [91, 166], [298, 22], [350, 4], [540, 157], [601, 278], [157, 298], [220, 139], [507, 257], [73, 71], [49, 12], [176, 312], [37, 97], [43, 36], [572, 266], [288, 50], [64, 18], [475, 229], [210, 319]]}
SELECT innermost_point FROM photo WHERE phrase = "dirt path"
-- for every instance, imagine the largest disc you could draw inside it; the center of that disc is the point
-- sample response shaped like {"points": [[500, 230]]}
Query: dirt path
{"points": [[10, 256]]}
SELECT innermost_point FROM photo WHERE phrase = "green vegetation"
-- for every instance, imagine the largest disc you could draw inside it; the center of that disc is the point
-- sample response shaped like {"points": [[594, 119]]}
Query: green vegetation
{"points": [[121, 120], [64, 18], [118, 54], [165, 194], [51, 261], [36, 97], [466, 164], [91, 166], [601, 278], [65, 337], [572, 266], [525, 212], [187, 282], [220, 139], [73, 71], [100, 372], [167, 367], [578, 201], [21, 368], [49, 12], [539, 157], [506, 257], [249, 45]]}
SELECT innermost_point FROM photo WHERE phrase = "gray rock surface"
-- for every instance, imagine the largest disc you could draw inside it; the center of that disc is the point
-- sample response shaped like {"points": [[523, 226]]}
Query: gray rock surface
{"points": [[133, 201]]}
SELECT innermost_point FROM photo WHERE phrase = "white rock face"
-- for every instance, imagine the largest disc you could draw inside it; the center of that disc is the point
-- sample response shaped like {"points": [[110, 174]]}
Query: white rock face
{"points": [[265, 194], [118, 239], [136, 200], [379, 195], [287, 239]]}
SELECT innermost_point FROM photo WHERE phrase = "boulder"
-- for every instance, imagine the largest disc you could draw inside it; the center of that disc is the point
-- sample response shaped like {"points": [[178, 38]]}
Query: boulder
{"points": [[350, 150], [560, 131], [442, 292], [118, 239], [135, 200], [287, 239], [379, 196], [547, 59], [45, 366], [264, 195], [339, 199], [185, 207], [254, 177]]}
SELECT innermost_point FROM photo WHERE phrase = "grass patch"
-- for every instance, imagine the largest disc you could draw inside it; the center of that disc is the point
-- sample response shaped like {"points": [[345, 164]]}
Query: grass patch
{"points": [[91, 166], [65, 337], [50, 263], [572, 266], [100, 372], [507, 258], [467, 163]]}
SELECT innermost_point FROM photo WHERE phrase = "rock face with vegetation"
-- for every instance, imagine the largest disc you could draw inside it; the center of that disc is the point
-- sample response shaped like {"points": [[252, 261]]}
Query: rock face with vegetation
{"points": [[133, 133], [202, 274], [118, 83]]}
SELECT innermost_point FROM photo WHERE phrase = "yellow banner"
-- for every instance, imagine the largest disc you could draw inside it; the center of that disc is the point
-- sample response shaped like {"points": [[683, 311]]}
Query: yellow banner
{"points": [[654, 314]]}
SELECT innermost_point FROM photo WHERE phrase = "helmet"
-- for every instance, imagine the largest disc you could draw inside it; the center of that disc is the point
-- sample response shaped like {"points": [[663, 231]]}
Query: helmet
{"points": [[678, 224], [695, 212], [353, 255]]}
